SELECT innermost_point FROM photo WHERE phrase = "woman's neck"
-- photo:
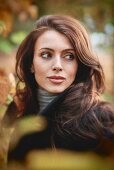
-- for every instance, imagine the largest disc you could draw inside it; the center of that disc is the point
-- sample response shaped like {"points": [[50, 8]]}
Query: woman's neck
{"points": [[45, 98]]}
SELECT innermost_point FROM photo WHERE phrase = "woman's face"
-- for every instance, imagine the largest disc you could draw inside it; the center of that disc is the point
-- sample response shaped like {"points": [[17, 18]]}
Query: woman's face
{"points": [[54, 62]]}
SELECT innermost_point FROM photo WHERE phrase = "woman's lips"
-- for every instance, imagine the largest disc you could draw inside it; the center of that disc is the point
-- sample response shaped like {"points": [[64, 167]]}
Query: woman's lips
{"points": [[56, 79]]}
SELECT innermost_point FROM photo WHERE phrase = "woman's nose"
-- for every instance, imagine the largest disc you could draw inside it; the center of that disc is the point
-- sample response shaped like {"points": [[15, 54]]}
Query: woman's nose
{"points": [[57, 65]]}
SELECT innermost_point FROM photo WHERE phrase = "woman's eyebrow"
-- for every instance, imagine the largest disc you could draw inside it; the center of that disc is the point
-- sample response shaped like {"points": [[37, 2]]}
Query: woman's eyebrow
{"points": [[67, 49], [45, 48]]}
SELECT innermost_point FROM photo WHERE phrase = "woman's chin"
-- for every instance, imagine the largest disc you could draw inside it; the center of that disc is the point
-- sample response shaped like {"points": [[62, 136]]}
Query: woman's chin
{"points": [[55, 90]]}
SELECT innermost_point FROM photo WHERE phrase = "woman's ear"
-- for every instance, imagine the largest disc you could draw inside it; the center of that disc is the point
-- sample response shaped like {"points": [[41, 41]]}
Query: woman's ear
{"points": [[32, 69]]}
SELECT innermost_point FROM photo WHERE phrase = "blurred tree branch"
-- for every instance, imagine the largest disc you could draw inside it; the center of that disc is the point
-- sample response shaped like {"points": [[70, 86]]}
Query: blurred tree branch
{"points": [[100, 12], [9, 9]]}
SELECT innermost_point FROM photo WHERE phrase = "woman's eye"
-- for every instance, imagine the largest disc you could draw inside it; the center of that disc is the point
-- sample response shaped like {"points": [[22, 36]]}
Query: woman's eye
{"points": [[45, 55], [69, 56]]}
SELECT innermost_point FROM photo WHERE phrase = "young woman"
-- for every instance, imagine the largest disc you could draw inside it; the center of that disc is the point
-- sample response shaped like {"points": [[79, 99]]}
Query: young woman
{"points": [[63, 80]]}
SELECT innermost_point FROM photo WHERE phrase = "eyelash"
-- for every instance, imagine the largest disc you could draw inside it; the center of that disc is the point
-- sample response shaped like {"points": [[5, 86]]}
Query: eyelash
{"points": [[46, 53], [71, 56], [49, 55]]}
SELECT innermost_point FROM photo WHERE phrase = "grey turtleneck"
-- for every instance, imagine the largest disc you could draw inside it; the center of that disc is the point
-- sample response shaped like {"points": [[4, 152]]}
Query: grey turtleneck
{"points": [[44, 98]]}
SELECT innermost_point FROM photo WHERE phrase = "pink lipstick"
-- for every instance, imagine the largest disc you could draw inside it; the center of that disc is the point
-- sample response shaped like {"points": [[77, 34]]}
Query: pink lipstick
{"points": [[56, 79]]}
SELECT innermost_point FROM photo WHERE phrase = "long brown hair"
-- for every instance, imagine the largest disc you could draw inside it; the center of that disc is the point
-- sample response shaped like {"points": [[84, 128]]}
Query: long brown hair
{"points": [[89, 81], [89, 73]]}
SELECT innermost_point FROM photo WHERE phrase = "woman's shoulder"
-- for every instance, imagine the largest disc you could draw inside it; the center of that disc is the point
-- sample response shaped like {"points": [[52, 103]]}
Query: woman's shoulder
{"points": [[98, 121], [103, 110], [104, 114]]}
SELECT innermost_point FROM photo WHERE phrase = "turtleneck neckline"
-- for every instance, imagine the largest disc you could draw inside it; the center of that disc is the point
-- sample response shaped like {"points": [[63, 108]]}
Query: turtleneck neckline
{"points": [[44, 98]]}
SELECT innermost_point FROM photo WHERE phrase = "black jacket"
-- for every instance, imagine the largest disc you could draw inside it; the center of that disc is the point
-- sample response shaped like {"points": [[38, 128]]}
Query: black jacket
{"points": [[51, 138]]}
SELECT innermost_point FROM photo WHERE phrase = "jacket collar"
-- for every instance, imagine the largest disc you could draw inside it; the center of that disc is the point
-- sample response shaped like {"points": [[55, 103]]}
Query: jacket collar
{"points": [[54, 104]]}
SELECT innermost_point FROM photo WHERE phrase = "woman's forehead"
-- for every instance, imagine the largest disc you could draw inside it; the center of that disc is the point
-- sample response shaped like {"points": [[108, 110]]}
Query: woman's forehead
{"points": [[53, 39]]}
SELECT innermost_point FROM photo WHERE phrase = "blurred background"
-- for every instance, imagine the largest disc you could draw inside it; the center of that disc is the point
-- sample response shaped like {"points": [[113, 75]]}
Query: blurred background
{"points": [[17, 18]]}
